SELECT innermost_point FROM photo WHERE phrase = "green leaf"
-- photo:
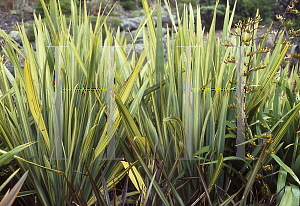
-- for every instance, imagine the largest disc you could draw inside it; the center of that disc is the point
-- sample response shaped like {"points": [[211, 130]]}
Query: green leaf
{"points": [[289, 94], [280, 184], [258, 97], [204, 149], [287, 198], [7, 155], [285, 167], [296, 194], [281, 127], [217, 171], [159, 60], [127, 117]]}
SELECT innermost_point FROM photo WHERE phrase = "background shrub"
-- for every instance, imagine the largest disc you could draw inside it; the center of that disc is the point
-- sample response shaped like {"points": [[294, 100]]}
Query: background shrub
{"points": [[207, 13], [127, 4], [65, 7], [248, 8], [193, 2], [137, 13]]}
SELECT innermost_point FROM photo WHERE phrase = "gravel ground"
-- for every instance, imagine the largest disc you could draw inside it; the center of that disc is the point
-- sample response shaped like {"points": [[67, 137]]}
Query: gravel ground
{"points": [[8, 22]]}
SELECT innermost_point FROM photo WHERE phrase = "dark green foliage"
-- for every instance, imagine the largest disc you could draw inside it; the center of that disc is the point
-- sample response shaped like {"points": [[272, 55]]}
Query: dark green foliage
{"points": [[295, 23], [114, 22], [65, 7], [193, 2], [39, 8], [127, 4], [208, 2], [30, 33], [207, 13], [248, 8], [264, 7]]}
